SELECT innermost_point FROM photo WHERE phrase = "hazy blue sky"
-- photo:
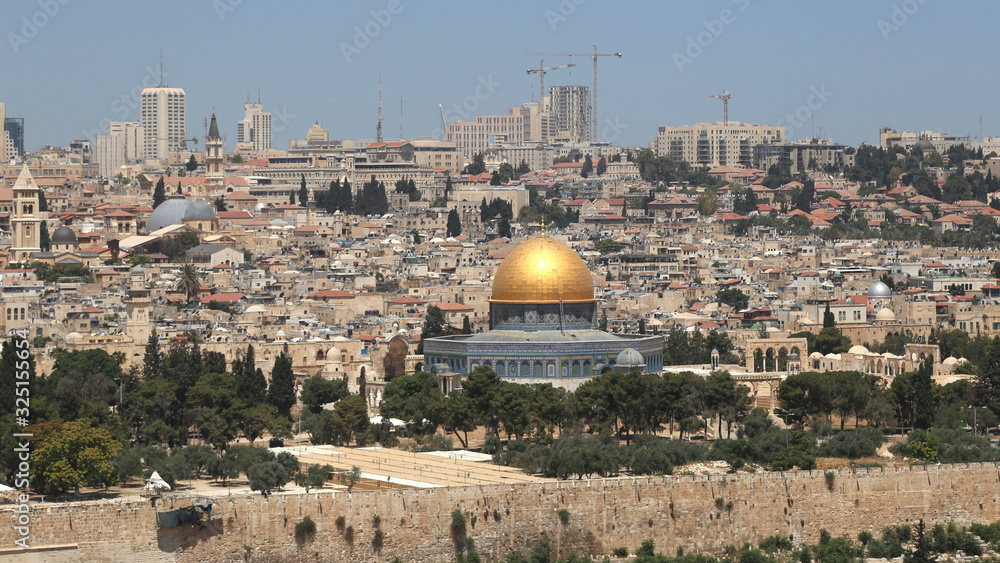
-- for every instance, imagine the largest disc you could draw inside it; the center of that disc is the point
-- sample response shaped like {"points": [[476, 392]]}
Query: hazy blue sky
{"points": [[849, 67]]}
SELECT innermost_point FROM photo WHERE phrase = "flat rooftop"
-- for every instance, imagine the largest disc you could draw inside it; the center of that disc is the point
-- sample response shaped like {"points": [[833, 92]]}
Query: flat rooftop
{"points": [[391, 468]]}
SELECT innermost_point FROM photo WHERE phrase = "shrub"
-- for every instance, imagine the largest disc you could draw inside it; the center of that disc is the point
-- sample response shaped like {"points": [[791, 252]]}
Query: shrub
{"points": [[457, 522], [774, 544], [376, 521], [341, 522], [564, 516], [852, 444], [619, 552], [378, 539], [830, 476], [305, 528]]}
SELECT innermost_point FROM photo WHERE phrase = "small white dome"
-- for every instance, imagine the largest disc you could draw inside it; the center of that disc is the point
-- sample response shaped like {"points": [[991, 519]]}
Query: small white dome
{"points": [[630, 358], [858, 349], [885, 314]]}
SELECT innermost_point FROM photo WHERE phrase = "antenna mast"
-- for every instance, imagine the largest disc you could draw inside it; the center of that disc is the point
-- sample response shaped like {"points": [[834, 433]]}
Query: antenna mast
{"points": [[401, 118], [378, 127], [161, 68]]}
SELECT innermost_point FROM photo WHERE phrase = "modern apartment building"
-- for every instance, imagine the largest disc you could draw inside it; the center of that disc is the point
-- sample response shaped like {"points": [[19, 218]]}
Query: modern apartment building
{"points": [[907, 139], [715, 144], [164, 119], [254, 131], [14, 128], [109, 153], [798, 157], [569, 106], [486, 131], [132, 138]]}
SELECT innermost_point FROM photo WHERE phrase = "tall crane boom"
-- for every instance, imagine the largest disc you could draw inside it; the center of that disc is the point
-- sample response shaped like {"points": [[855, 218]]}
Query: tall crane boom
{"points": [[540, 71], [594, 55], [724, 96]]}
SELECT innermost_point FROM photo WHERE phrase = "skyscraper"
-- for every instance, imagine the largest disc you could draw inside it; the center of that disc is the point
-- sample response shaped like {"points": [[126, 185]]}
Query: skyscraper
{"points": [[254, 131], [109, 152], [14, 127], [133, 135], [163, 118], [570, 107]]}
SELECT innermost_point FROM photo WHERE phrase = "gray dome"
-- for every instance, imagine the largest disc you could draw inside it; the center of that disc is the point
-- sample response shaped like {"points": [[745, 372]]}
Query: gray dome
{"points": [[137, 270], [923, 145], [879, 289], [170, 212], [630, 358], [793, 357], [63, 235], [200, 210]]}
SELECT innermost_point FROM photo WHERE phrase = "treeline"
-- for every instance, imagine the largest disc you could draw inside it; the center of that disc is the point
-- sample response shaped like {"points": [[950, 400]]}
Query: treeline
{"points": [[371, 199], [97, 410], [621, 404]]}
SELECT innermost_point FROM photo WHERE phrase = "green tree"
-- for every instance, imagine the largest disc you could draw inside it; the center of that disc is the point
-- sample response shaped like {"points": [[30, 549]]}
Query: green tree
{"points": [[303, 192], [734, 298], [466, 325], [829, 320], [78, 455], [416, 399], [588, 167], [281, 393], [434, 325], [44, 242], [318, 391], [602, 166], [152, 359], [460, 417], [251, 386], [352, 413], [159, 193], [192, 164], [267, 476], [454, 223], [14, 352], [189, 282]]}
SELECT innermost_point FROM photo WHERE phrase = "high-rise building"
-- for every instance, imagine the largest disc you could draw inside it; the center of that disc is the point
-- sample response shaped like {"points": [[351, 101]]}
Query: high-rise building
{"points": [[164, 119], [109, 153], [6, 142], [132, 133], [570, 107], [14, 128], [716, 144], [254, 131]]}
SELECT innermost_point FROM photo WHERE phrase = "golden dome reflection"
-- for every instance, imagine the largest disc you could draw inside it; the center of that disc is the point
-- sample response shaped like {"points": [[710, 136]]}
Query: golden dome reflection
{"points": [[543, 270]]}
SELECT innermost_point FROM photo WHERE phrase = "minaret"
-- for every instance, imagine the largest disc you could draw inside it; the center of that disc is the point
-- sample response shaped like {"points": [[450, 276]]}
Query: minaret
{"points": [[215, 174], [26, 219], [137, 307]]}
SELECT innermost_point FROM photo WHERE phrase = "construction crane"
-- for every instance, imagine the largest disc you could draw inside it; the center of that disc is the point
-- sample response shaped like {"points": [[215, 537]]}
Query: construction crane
{"points": [[540, 71], [724, 96], [594, 55]]}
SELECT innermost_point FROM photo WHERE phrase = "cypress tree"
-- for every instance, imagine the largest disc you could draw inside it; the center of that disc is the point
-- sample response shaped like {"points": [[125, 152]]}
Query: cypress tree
{"points": [[281, 393]]}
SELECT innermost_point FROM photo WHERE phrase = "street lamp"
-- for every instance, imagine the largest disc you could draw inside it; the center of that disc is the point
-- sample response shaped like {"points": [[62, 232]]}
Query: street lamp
{"points": [[975, 425]]}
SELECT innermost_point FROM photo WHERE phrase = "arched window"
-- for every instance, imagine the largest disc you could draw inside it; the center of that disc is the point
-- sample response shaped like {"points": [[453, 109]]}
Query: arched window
{"points": [[8, 313]]}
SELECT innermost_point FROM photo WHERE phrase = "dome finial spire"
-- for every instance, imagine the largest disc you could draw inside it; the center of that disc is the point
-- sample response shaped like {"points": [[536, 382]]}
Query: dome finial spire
{"points": [[543, 224]]}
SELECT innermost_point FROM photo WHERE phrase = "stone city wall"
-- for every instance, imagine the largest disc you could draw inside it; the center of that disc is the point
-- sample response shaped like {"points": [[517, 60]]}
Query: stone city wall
{"points": [[700, 513]]}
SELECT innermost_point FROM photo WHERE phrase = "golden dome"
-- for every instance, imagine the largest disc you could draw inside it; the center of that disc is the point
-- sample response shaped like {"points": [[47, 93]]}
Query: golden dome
{"points": [[543, 270]]}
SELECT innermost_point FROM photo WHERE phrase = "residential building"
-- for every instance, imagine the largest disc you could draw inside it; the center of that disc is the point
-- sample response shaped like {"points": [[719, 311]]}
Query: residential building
{"points": [[163, 118], [569, 106], [132, 138], [486, 131], [716, 144], [14, 129], [798, 156], [109, 153], [253, 133]]}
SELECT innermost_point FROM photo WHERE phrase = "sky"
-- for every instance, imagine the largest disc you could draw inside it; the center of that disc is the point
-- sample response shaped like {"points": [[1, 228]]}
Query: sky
{"points": [[838, 69]]}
